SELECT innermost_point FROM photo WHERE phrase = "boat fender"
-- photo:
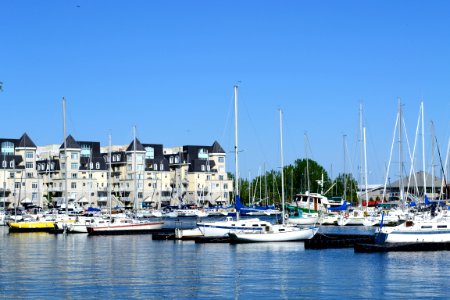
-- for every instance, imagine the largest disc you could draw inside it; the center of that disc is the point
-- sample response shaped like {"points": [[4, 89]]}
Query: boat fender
{"points": [[286, 216]]}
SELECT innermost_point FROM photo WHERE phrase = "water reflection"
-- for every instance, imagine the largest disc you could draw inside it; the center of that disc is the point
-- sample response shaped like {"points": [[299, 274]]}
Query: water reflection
{"points": [[78, 266]]}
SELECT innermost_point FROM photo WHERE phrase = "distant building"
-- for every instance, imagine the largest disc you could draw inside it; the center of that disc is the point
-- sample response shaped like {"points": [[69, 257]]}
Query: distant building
{"points": [[20, 183], [142, 174], [413, 186]]}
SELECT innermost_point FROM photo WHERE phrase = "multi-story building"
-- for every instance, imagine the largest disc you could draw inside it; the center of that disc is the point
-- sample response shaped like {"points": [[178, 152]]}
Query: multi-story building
{"points": [[142, 175], [86, 169], [20, 184]]}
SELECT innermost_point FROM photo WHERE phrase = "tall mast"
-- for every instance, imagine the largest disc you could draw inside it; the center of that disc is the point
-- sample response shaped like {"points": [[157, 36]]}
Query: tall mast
{"points": [[361, 174], [134, 169], [365, 169], [400, 149], [66, 201], [345, 175], [423, 152], [109, 176], [282, 165], [236, 165]]}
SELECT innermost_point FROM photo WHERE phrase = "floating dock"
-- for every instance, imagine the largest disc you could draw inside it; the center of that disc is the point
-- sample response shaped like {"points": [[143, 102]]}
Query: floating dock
{"points": [[397, 247], [326, 241]]}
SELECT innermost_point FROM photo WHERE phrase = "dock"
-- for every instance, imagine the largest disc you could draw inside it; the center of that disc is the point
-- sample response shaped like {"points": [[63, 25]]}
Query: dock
{"points": [[327, 241], [397, 247]]}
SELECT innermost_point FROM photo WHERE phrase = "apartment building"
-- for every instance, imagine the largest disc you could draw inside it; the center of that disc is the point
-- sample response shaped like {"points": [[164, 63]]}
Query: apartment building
{"points": [[142, 174]]}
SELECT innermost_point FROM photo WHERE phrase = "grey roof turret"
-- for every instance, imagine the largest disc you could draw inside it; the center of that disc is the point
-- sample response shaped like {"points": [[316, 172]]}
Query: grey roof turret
{"points": [[26, 142]]}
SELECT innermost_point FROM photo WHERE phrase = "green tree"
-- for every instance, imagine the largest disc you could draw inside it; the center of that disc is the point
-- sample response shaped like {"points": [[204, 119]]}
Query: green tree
{"points": [[346, 182]]}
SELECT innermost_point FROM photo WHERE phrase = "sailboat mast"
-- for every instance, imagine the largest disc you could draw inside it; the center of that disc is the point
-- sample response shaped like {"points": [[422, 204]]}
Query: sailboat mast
{"points": [[361, 175], [423, 152], [400, 150], [66, 202], [236, 172], [134, 168], [345, 175], [109, 176], [282, 165], [365, 169]]}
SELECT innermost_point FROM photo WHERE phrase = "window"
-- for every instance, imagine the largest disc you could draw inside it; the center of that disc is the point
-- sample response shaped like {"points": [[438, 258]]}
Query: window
{"points": [[203, 153], [4, 163], [73, 185], [85, 151], [140, 167], [63, 166], [221, 159], [7, 148], [91, 165], [220, 177], [11, 175], [161, 167], [171, 160], [149, 152], [130, 167], [225, 186], [29, 154], [155, 167], [97, 165], [74, 166], [177, 159], [73, 155], [11, 164], [129, 157], [34, 185], [203, 167], [30, 175], [17, 185], [74, 175]]}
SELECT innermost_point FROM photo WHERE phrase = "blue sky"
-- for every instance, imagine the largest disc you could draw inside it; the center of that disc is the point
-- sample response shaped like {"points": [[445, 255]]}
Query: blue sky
{"points": [[168, 68]]}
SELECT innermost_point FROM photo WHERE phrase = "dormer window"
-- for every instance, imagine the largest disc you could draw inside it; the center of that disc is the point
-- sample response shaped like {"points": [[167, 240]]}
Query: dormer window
{"points": [[203, 153], [7, 148], [171, 159], [149, 153], [177, 159], [85, 151]]}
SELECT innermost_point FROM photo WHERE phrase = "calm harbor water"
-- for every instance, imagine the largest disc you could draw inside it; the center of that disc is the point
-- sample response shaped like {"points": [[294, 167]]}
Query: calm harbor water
{"points": [[47, 266]]}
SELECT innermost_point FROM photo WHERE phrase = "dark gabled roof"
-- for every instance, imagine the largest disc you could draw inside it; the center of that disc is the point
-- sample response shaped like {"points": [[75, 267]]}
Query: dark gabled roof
{"points": [[139, 146], [71, 143], [216, 148], [26, 142]]}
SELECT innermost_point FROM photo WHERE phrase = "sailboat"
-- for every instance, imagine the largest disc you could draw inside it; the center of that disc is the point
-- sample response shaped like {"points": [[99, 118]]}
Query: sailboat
{"points": [[277, 232], [122, 224], [222, 228], [46, 223]]}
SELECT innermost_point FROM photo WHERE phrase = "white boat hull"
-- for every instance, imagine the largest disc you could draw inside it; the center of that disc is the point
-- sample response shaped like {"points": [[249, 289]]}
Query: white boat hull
{"points": [[276, 235], [222, 228], [419, 232], [125, 228]]}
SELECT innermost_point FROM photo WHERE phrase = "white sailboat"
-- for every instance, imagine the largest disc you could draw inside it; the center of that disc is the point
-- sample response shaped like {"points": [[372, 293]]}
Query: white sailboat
{"points": [[122, 224], [418, 230], [277, 232], [222, 228]]}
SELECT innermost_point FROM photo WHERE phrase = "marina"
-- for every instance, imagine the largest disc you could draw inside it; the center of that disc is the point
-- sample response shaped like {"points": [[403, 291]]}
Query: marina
{"points": [[43, 265]]}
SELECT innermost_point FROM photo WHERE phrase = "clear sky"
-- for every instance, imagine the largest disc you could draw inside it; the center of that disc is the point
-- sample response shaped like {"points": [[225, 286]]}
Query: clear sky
{"points": [[168, 68]]}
